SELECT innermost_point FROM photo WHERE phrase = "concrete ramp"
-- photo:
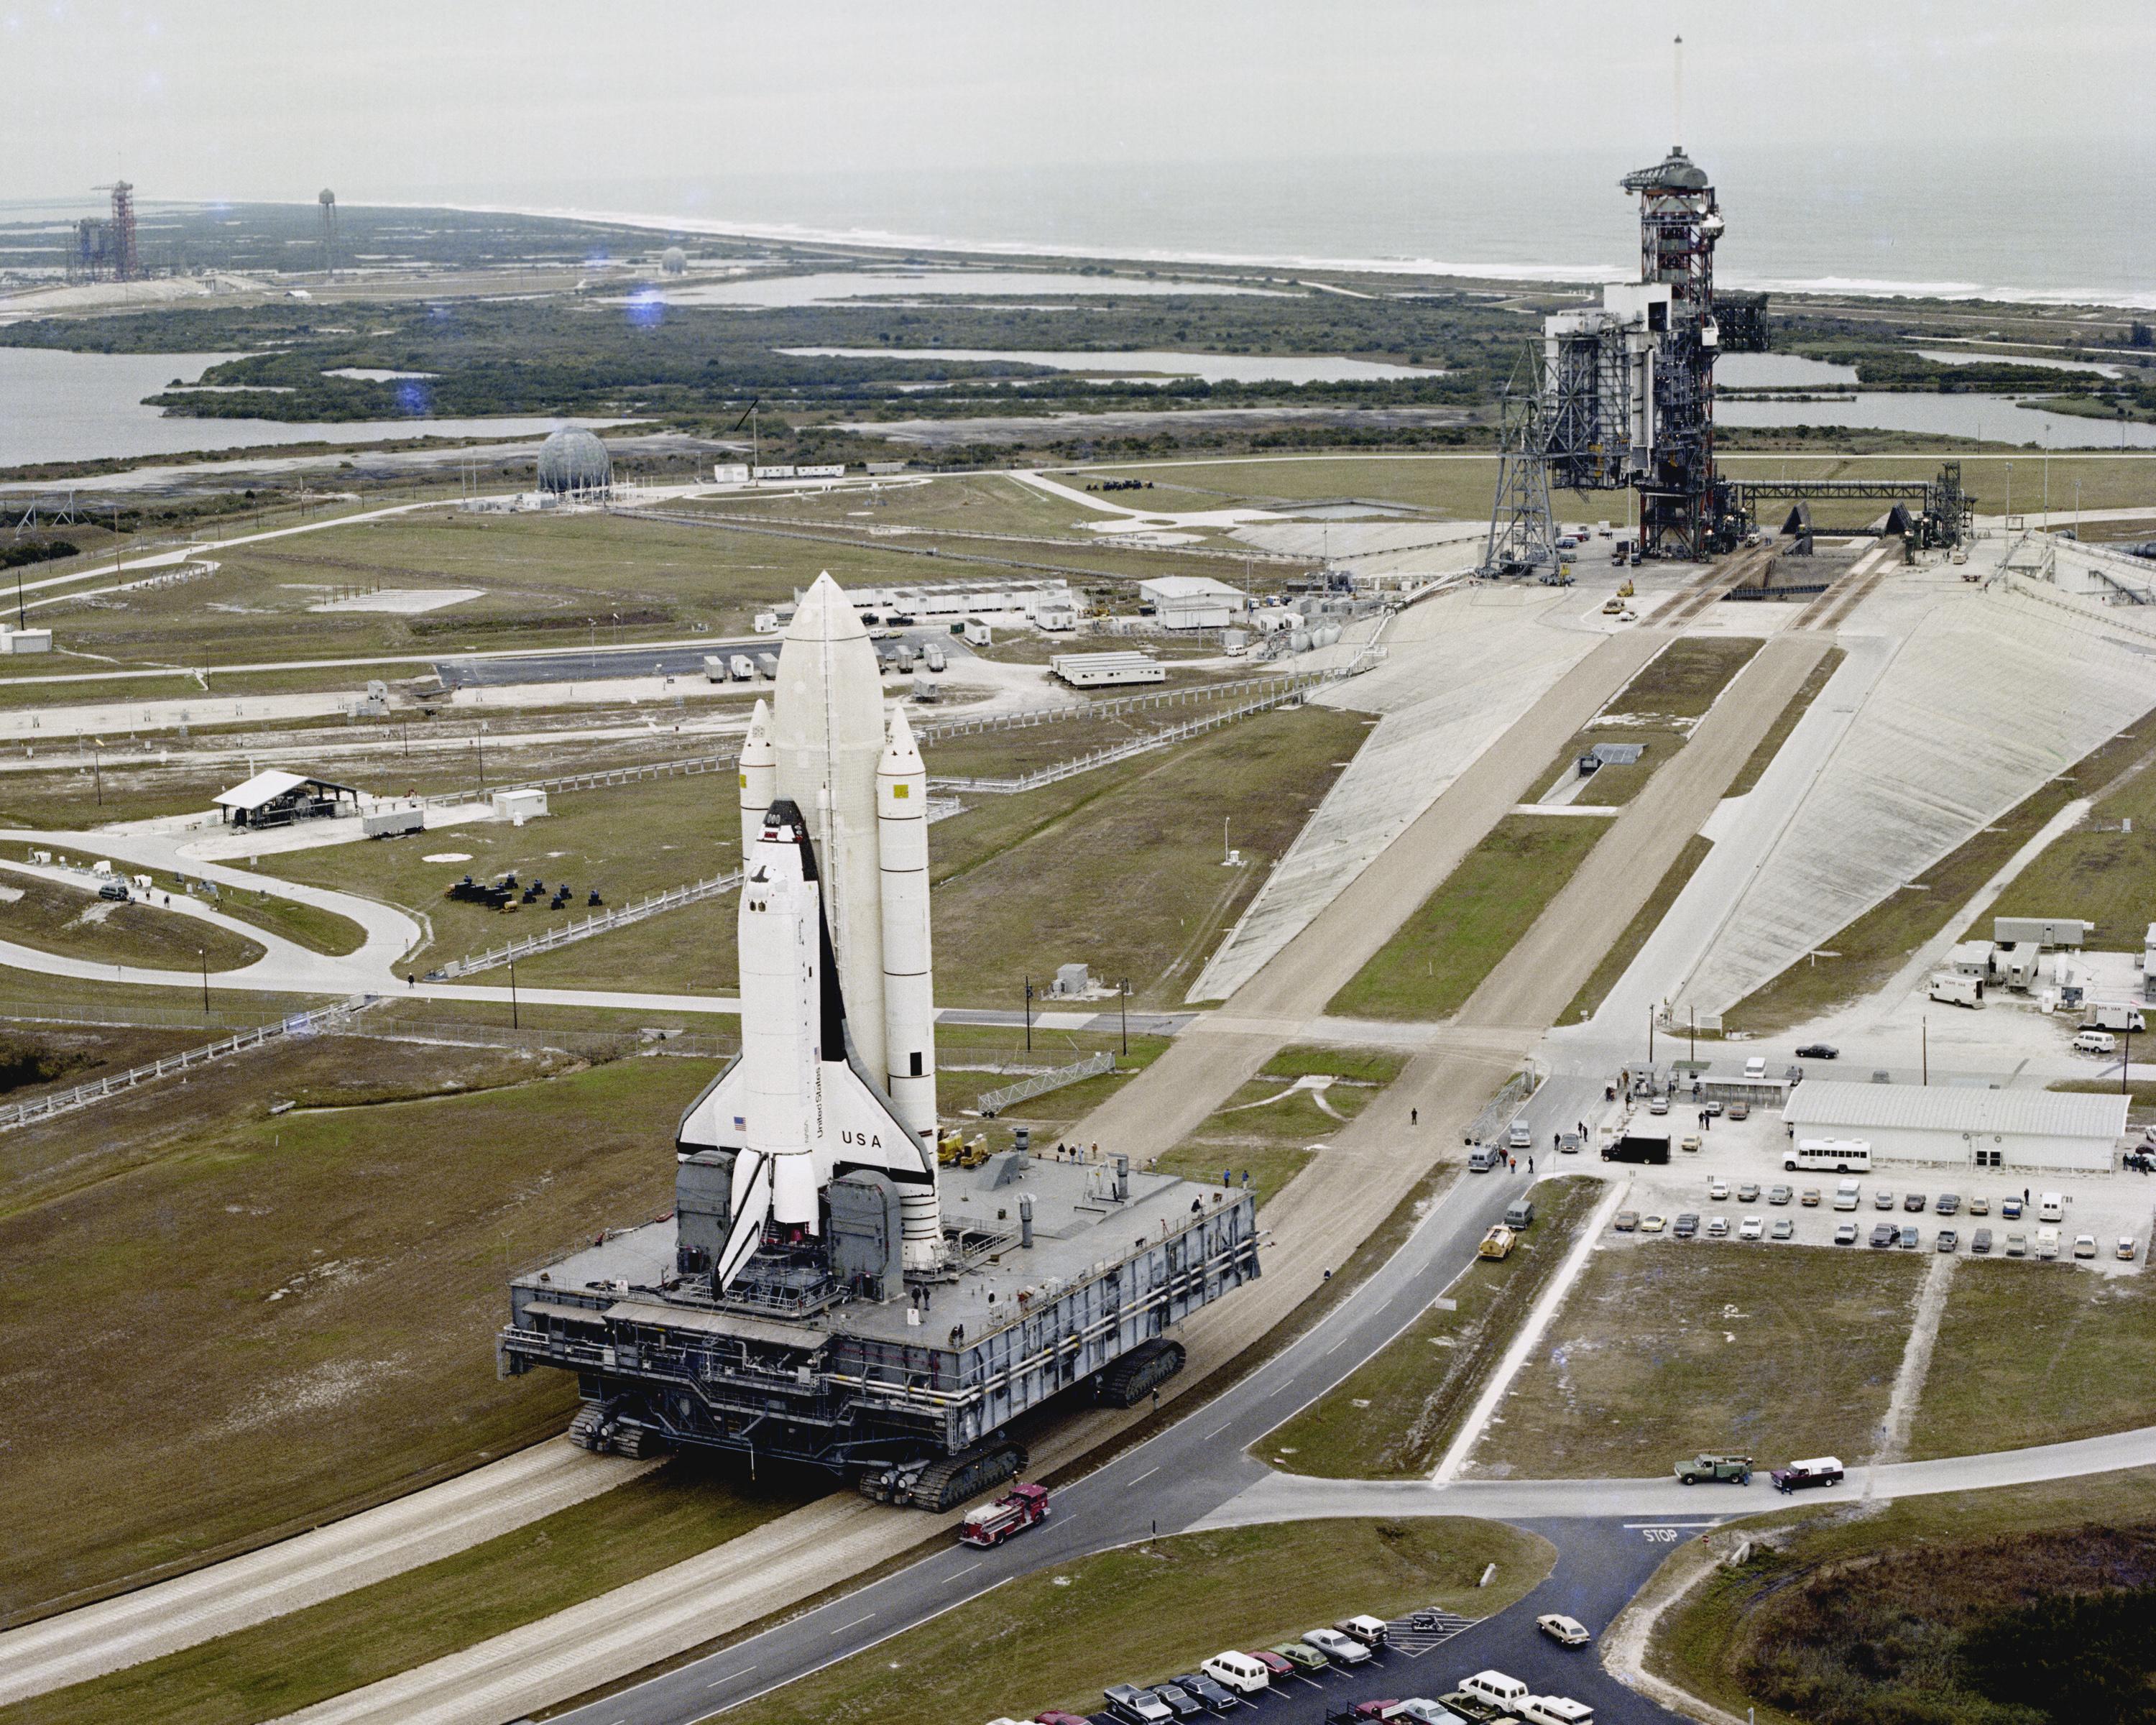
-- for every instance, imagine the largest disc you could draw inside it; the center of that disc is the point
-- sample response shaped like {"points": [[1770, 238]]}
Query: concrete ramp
{"points": [[1460, 669], [1993, 691]]}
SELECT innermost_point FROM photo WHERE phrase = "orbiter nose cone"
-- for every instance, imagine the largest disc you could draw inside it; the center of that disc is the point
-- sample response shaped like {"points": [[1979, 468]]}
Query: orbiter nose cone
{"points": [[825, 614]]}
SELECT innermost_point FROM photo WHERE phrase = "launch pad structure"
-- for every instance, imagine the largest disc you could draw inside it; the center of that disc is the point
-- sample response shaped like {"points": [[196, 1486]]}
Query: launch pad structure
{"points": [[826, 1292], [1621, 397]]}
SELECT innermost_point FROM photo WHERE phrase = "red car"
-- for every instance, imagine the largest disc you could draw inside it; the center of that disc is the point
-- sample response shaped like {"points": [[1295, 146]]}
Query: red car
{"points": [[1275, 1666], [1373, 1709]]}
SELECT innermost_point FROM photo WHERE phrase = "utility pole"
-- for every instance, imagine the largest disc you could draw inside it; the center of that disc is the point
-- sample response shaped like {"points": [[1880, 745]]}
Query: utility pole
{"points": [[1029, 1014], [1925, 1043], [1651, 1037], [203, 958], [1123, 1005], [97, 770], [515, 1022], [2126, 1066], [1692, 1054]]}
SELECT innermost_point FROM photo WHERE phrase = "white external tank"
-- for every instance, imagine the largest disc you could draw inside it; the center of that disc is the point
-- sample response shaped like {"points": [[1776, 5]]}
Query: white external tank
{"points": [[759, 779], [828, 735], [909, 1003]]}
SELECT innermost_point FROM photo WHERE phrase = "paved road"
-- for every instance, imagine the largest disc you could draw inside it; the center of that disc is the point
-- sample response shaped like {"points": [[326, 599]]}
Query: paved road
{"points": [[584, 665]]}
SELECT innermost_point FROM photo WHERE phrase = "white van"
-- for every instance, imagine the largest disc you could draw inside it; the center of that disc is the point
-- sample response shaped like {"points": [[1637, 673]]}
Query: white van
{"points": [[2050, 1207], [2095, 1042], [1756, 1067], [1504, 1693], [1238, 1671], [1846, 1194], [2047, 1242], [1555, 1709]]}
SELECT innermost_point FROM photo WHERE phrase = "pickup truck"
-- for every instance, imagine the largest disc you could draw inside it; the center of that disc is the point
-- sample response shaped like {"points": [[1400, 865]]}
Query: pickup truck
{"points": [[1820, 1470], [1703, 1466]]}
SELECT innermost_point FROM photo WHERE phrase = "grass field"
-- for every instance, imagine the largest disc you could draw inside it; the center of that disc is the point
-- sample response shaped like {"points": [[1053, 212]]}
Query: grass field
{"points": [[306, 1300], [1143, 1614], [1267, 1132], [2099, 869], [1867, 1607], [1442, 953], [78, 924], [1668, 1347], [1785, 721], [1626, 948], [375, 1632], [1121, 870], [1657, 709], [2037, 1353], [1396, 1415], [1873, 945]]}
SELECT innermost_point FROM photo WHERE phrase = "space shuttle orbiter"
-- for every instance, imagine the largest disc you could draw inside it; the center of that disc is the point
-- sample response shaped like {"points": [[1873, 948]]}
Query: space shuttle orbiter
{"points": [[837, 1069]]}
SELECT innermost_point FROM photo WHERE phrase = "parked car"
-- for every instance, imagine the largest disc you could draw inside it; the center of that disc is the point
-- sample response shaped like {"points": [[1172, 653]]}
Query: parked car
{"points": [[1712, 1108], [1651, 1224], [1949, 1204], [1913, 1202], [1215, 1695], [2124, 1254], [1690, 1141], [1820, 1470], [1373, 1632], [1495, 1687], [2010, 1208], [1177, 1701], [1627, 1222], [2017, 1245], [1752, 1228], [1738, 1110], [1056, 1716], [1717, 1188], [2084, 1246], [1883, 1233], [1301, 1655], [1979, 1205], [1717, 1227], [1980, 1242], [1565, 1632], [1780, 1194], [1658, 1105], [1275, 1666], [1947, 1239], [1883, 1199], [1809, 1197], [1554, 1710], [1819, 1051], [1687, 1224], [1420, 1710], [1908, 1240], [1341, 1649], [1783, 1229], [1844, 1234], [1748, 1192]]}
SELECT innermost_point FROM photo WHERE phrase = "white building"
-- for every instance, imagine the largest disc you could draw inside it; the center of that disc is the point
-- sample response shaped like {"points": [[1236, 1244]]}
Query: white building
{"points": [[1963, 1125], [24, 640], [1192, 601], [1094, 671]]}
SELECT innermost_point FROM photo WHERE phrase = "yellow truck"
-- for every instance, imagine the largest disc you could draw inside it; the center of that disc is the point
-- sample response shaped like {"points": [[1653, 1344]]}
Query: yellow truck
{"points": [[1497, 1243]]}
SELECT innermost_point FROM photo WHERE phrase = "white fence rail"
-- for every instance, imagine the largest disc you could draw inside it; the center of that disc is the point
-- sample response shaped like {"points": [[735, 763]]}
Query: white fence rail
{"points": [[83, 1096]]}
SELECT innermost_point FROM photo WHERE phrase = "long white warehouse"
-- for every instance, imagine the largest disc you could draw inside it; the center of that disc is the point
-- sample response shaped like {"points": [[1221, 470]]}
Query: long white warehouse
{"points": [[1955, 1124]]}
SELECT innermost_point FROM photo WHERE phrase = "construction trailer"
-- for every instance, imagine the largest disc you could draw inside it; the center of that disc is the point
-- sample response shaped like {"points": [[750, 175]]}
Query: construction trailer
{"points": [[1061, 1283]]}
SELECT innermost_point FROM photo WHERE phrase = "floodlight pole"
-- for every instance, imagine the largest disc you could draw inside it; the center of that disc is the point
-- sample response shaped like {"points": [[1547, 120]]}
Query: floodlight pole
{"points": [[203, 956], [1925, 1044], [1029, 1014], [1650, 1036], [1123, 1006], [515, 1022]]}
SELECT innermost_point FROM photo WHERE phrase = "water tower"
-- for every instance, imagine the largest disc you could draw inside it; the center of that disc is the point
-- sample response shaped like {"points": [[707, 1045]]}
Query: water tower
{"points": [[328, 201]]}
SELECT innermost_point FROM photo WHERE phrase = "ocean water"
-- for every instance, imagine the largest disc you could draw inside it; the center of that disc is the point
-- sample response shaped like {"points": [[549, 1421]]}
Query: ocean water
{"points": [[1957, 218]]}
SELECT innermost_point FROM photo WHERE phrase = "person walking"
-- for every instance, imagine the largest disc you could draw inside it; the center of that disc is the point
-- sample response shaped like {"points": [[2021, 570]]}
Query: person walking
{"points": [[1414, 1115], [1531, 1164]]}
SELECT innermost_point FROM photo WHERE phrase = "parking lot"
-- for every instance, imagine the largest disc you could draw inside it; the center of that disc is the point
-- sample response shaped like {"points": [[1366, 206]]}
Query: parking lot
{"points": [[1745, 1156], [1600, 1565]]}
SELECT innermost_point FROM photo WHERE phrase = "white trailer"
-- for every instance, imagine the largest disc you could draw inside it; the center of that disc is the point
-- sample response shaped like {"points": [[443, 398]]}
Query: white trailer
{"points": [[715, 667], [1957, 989], [744, 668], [2114, 1015]]}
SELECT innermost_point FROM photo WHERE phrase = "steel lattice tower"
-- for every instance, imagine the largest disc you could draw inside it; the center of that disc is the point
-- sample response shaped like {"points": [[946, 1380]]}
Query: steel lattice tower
{"points": [[1523, 530]]}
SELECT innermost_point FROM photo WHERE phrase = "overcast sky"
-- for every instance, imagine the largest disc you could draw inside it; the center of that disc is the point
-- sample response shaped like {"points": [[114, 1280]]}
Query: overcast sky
{"points": [[397, 100]]}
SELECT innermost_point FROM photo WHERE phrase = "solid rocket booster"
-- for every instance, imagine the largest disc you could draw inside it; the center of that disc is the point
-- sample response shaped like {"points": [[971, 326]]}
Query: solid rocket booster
{"points": [[759, 780], [909, 1005], [827, 735]]}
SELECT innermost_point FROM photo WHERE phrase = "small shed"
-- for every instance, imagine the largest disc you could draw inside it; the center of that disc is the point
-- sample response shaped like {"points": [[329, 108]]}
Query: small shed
{"points": [[1192, 601], [13, 640], [276, 798], [519, 806]]}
